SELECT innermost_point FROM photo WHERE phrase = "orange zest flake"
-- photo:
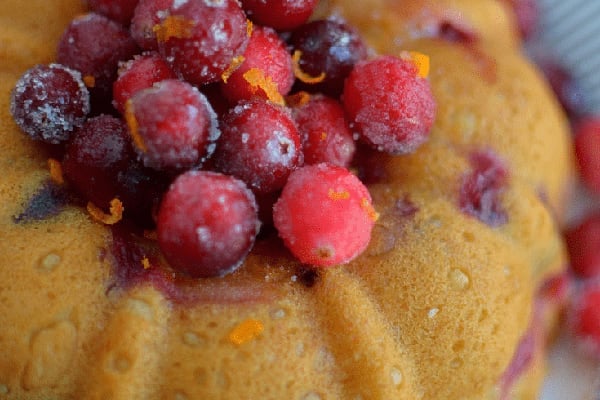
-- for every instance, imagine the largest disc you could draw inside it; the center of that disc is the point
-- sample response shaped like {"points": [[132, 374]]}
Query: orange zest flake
{"points": [[174, 26], [145, 263], [366, 205], [422, 63], [323, 136], [150, 235], [303, 76], [235, 64], [257, 80], [298, 99], [89, 80], [249, 27], [246, 331], [116, 212], [338, 195], [56, 173], [133, 126]]}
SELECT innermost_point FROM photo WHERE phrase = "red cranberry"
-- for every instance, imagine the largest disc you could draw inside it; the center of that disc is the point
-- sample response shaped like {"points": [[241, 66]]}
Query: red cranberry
{"points": [[50, 102], [201, 38], [389, 104], [259, 144], [585, 318], [147, 15], [324, 132], [141, 72], [173, 125], [587, 150], [324, 215], [117, 10], [279, 14], [328, 47], [583, 243], [268, 54], [207, 223]]}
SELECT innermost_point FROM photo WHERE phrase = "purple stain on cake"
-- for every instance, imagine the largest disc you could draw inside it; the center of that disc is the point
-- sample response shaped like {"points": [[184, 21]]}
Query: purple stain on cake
{"points": [[481, 189], [49, 200]]}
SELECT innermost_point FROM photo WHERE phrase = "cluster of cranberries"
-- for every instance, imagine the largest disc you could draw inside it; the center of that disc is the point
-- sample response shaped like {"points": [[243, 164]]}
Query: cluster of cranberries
{"points": [[206, 119]]}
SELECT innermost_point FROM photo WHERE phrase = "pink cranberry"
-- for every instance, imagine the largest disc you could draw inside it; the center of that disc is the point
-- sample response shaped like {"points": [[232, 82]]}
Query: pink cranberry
{"points": [[117, 10], [388, 104], [267, 54], [587, 150], [324, 215], [279, 14], [583, 243], [172, 124], [207, 223]]}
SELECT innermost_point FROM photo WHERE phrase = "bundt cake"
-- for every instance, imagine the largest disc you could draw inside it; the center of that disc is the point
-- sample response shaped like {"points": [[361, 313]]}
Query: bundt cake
{"points": [[450, 300]]}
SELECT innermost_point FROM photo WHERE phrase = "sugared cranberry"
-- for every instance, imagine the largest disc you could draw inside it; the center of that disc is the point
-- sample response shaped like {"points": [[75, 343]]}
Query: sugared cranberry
{"points": [[328, 47], [201, 38], [94, 45], [585, 318], [172, 124], [568, 91], [587, 150], [324, 132], [389, 104], [259, 144], [324, 215], [141, 72], [583, 243], [266, 54], [279, 14], [117, 10], [147, 15], [482, 187], [50, 102], [207, 223]]}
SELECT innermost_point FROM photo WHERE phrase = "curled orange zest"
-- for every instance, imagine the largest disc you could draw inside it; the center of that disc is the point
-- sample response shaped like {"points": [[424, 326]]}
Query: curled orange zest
{"points": [[174, 26], [246, 331], [341, 195], [89, 80], [422, 63], [56, 173], [132, 124], [298, 99], [116, 212], [257, 80], [303, 76], [368, 207], [235, 64]]}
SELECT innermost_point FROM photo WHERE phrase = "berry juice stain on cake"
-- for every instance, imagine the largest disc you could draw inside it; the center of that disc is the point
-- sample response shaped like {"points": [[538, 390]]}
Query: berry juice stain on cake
{"points": [[49, 200]]}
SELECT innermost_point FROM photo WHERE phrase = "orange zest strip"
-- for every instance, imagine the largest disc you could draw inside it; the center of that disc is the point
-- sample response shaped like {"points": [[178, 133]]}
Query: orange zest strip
{"points": [[341, 195], [116, 212], [323, 136], [422, 63], [56, 173], [235, 64], [249, 27], [298, 99], [133, 126], [303, 76], [145, 263], [366, 205], [257, 80], [246, 331], [89, 80], [174, 26]]}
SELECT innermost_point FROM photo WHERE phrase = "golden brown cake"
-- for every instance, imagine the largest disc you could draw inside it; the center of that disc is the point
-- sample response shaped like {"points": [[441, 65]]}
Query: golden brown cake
{"points": [[435, 308]]}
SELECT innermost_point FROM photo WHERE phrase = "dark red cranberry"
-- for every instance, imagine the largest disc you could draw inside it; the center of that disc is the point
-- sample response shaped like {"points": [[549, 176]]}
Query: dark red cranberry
{"points": [[147, 15], [50, 102], [207, 223], [570, 94], [482, 187], [259, 144], [587, 151], [266, 54], [141, 72], [329, 47], [585, 318], [117, 10], [94, 45], [201, 38], [583, 244], [279, 14], [389, 104], [173, 125], [324, 132]]}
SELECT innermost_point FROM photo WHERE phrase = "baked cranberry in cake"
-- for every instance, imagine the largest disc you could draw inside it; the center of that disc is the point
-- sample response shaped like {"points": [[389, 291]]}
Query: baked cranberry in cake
{"points": [[587, 149], [389, 104], [325, 134], [200, 39], [117, 10], [147, 15], [324, 215], [259, 144], [172, 125], [207, 223], [583, 244], [49, 102], [139, 73], [266, 67], [329, 49], [279, 14]]}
